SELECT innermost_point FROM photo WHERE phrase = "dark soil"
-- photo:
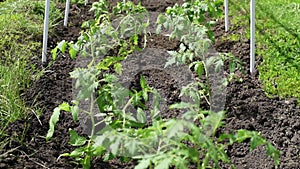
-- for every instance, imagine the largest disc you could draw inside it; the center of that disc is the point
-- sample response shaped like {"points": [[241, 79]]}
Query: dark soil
{"points": [[247, 107]]}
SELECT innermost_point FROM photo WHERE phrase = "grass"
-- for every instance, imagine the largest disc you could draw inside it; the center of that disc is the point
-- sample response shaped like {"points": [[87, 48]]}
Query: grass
{"points": [[21, 25], [277, 41]]}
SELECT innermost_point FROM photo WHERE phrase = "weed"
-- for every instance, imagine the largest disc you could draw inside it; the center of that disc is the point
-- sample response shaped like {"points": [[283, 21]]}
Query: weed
{"points": [[20, 25], [277, 39]]}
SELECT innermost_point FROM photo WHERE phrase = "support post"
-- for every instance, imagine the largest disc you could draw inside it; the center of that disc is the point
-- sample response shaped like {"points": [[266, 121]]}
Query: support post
{"points": [[252, 36], [226, 15], [46, 27], [67, 12]]}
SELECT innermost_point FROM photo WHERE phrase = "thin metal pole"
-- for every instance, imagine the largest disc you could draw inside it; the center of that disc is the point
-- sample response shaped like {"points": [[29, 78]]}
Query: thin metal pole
{"points": [[226, 15], [67, 12], [46, 24], [252, 40]]}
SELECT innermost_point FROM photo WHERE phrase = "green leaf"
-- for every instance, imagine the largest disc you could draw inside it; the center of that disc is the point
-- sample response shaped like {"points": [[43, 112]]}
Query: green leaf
{"points": [[256, 141], [131, 146], [190, 115], [53, 120], [143, 82], [98, 151], [115, 146], [118, 68], [141, 116], [62, 46], [212, 122], [242, 135], [73, 51], [231, 66], [86, 162], [209, 62], [65, 107], [54, 53], [199, 68], [231, 138], [182, 105], [75, 112], [108, 156], [145, 95], [86, 78], [99, 140], [174, 128], [273, 152], [77, 152], [161, 19], [164, 164], [75, 139], [219, 64], [64, 155], [158, 29], [171, 60], [143, 164]]}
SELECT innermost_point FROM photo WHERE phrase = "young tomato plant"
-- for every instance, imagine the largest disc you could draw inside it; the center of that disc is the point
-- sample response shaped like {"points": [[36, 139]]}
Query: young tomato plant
{"points": [[100, 36], [197, 11], [190, 140], [195, 51]]}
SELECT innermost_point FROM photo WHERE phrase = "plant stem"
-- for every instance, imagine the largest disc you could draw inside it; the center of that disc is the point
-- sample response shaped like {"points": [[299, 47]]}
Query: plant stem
{"points": [[205, 161], [124, 110], [208, 83], [92, 116]]}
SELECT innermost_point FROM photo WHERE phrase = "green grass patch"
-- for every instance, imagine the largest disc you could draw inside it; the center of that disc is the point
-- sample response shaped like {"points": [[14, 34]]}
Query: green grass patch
{"points": [[21, 29], [277, 41]]}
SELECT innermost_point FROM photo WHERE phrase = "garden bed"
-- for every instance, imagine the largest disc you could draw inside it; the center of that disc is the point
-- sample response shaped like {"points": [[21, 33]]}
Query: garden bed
{"points": [[247, 107]]}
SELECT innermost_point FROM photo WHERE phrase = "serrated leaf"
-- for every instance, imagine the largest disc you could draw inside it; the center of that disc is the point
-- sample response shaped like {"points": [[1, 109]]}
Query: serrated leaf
{"points": [[75, 112], [86, 162], [53, 120], [108, 156], [170, 61], [182, 105], [212, 122], [143, 164], [158, 29], [143, 82], [114, 147], [77, 152], [200, 69], [65, 107], [209, 62], [75, 139], [231, 138], [174, 128], [54, 53], [98, 151], [231, 66], [62, 46], [141, 116], [98, 141], [273, 152], [242, 135], [161, 19], [118, 68], [164, 164], [256, 141], [219, 65], [131, 146], [73, 51]]}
